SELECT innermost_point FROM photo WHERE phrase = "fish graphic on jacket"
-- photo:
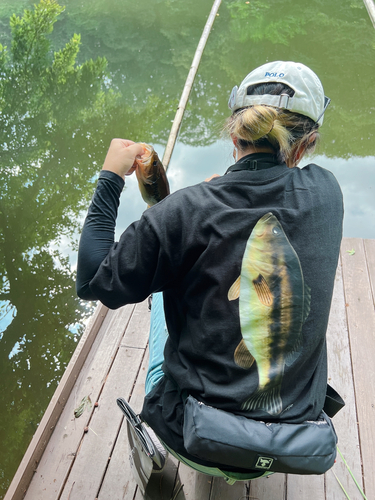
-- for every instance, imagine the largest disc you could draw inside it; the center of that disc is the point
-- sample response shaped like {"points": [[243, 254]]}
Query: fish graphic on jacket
{"points": [[274, 302]]}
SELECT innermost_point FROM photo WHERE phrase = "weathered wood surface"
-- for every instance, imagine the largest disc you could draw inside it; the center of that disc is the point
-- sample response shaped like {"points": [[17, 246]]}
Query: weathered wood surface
{"points": [[24, 474], [94, 464], [269, 488], [118, 481], [192, 485], [62, 449], [341, 378], [361, 324]]}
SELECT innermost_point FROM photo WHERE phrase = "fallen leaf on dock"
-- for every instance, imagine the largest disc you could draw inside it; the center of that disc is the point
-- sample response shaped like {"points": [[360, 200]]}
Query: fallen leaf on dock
{"points": [[85, 403], [351, 252]]}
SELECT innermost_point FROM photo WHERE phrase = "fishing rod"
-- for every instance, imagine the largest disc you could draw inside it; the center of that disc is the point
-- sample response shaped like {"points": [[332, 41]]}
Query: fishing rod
{"points": [[370, 9], [188, 85]]}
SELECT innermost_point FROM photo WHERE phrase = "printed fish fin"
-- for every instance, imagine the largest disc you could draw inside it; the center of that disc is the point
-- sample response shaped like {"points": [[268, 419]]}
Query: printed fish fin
{"points": [[242, 356], [268, 400], [293, 355], [263, 291], [234, 290], [306, 302]]}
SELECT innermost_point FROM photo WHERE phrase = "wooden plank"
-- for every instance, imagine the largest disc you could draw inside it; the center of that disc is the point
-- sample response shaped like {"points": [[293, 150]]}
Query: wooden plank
{"points": [[118, 477], [87, 472], [41, 437], [95, 450], [305, 487], [64, 442], [138, 330], [194, 484], [118, 481], [340, 376], [223, 491], [370, 258], [361, 324], [268, 488]]}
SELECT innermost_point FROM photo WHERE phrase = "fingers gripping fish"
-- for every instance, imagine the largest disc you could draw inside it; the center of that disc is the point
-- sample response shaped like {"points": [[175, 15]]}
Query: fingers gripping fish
{"points": [[152, 179], [274, 303]]}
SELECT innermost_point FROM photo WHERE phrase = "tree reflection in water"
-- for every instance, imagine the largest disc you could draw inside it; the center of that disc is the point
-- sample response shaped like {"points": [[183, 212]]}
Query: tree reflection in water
{"points": [[57, 118]]}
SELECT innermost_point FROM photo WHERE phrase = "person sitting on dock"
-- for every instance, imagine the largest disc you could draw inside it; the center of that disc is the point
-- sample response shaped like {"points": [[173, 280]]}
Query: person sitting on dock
{"points": [[241, 269]]}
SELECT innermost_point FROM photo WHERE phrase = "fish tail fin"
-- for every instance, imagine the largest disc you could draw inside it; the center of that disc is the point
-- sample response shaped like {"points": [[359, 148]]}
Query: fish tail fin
{"points": [[268, 400]]}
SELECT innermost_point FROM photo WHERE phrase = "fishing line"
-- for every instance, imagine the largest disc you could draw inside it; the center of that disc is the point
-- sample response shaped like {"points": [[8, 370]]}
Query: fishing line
{"points": [[350, 472]]}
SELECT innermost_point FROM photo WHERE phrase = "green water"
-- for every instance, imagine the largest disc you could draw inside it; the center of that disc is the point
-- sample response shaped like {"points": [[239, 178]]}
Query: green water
{"points": [[337, 40], [55, 132]]}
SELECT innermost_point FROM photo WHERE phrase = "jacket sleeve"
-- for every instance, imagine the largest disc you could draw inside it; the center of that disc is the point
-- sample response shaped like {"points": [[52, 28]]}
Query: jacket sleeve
{"points": [[98, 231], [132, 268], [141, 263]]}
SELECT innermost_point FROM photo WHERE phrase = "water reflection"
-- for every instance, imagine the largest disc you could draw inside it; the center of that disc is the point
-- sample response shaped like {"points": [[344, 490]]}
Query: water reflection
{"points": [[248, 34], [57, 121], [191, 165], [356, 176]]}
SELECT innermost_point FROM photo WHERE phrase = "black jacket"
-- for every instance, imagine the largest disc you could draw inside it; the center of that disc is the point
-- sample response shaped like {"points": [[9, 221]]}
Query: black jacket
{"points": [[193, 246]]}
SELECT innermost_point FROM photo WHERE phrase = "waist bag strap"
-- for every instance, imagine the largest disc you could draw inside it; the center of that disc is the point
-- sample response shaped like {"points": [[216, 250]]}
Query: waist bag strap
{"points": [[333, 402]]}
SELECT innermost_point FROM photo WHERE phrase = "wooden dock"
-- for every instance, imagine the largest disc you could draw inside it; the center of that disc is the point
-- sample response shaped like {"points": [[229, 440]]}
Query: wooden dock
{"points": [[86, 458]]}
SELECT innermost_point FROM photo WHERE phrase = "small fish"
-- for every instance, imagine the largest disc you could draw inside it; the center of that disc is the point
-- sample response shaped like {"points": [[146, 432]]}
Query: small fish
{"points": [[152, 179], [85, 403], [274, 303]]}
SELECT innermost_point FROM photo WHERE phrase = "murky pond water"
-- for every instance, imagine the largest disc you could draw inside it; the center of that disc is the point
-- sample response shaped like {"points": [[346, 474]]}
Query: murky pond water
{"points": [[57, 121]]}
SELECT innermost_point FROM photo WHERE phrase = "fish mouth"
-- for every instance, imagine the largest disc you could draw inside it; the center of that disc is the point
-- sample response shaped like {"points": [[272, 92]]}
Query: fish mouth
{"points": [[261, 226], [145, 158], [266, 217]]}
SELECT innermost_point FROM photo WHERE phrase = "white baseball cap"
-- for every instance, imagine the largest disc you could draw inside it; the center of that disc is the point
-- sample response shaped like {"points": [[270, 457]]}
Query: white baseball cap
{"points": [[308, 100]]}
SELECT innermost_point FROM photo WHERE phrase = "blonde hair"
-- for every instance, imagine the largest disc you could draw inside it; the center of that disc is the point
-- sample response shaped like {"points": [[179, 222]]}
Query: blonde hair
{"points": [[285, 132]]}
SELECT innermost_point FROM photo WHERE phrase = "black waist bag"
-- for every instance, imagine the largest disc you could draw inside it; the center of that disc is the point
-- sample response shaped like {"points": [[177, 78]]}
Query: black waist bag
{"points": [[224, 438]]}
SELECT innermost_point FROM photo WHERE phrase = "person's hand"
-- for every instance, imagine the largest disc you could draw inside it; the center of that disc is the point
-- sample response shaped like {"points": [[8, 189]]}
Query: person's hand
{"points": [[121, 156]]}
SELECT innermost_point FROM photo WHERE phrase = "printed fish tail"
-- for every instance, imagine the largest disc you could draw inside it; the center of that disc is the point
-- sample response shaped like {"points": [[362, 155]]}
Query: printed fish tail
{"points": [[268, 400]]}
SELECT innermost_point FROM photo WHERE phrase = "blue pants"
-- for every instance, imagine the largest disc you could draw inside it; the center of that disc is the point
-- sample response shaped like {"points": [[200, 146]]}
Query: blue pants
{"points": [[157, 339]]}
